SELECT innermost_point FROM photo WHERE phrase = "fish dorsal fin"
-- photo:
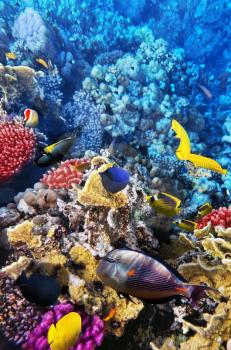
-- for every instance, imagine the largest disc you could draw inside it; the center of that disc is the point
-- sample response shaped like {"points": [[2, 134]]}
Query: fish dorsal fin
{"points": [[175, 199]]}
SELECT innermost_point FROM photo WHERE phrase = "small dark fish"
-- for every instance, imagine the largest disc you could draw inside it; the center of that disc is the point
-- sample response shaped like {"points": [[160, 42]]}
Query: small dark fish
{"points": [[54, 153], [40, 289], [204, 209], [114, 179], [137, 274]]}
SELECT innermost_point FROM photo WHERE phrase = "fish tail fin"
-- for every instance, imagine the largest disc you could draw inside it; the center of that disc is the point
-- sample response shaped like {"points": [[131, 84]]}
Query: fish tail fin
{"points": [[196, 292]]}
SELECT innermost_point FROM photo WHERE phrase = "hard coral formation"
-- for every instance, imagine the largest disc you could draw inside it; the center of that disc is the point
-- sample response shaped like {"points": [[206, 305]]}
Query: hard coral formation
{"points": [[18, 147], [94, 193], [91, 336], [69, 173], [217, 217], [15, 82]]}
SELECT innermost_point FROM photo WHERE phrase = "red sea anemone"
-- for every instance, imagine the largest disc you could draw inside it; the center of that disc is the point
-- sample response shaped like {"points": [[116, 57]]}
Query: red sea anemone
{"points": [[17, 146]]}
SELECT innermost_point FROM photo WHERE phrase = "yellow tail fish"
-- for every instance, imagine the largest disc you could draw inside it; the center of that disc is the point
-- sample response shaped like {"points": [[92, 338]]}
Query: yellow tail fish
{"points": [[65, 333], [206, 163], [183, 152], [11, 55], [184, 148], [204, 209], [165, 203], [42, 62], [60, 147], [185, 224]]}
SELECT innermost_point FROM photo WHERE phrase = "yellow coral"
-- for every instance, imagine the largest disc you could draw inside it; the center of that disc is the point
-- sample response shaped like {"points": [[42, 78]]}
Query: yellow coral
{"points": [[94, 193], [22, 234], [15, 269]]}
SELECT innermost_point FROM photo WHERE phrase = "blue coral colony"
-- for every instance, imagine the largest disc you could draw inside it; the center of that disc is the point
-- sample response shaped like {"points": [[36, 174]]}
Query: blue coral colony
{"points": [[140, 211]]}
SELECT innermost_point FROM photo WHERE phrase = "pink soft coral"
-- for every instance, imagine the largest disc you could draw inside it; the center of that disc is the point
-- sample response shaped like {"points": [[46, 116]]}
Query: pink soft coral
{"points": [[68, 173], [217, 217], [17, 144]]}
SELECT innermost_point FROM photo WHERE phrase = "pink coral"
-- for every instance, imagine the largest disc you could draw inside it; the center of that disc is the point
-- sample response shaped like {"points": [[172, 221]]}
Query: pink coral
{"points": [[217, 217], [68, 173], [17, 148], [91, 336]]}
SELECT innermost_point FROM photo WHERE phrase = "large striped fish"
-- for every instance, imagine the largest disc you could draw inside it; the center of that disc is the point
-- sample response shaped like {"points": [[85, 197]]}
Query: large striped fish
{"points": [[132, 273]]}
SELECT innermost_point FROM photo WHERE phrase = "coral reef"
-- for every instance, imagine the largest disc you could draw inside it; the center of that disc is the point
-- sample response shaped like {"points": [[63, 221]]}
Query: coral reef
{"points": [[92, 329], [217, 217], [18, 148], [69, 173]]}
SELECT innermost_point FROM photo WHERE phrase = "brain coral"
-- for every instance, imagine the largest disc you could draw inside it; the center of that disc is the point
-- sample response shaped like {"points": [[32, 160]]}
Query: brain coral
{"points": [[17, 148]]}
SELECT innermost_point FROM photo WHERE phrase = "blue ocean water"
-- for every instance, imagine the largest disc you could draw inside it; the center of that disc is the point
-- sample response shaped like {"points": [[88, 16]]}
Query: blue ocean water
{"points": [[113, 75]]}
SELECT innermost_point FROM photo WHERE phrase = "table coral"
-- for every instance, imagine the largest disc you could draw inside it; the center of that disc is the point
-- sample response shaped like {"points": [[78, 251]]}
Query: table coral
{"points": [[18, 148], [67, 174]]}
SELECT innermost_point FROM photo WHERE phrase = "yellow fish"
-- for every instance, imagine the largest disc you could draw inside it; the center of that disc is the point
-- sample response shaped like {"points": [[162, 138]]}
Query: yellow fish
{"points": [[206, 163], [204, 209], [60, 147], [165, 203], [11, 55], [183, 152], [185, 224], [184, 148], [65, 333], [42, 62]]}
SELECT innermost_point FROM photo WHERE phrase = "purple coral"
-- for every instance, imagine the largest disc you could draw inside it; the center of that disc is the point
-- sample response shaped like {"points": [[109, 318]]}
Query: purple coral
{"points": [[92, 329]]}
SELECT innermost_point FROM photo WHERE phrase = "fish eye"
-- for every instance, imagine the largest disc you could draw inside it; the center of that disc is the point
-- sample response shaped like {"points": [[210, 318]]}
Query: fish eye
{"points": [[107, 258]]}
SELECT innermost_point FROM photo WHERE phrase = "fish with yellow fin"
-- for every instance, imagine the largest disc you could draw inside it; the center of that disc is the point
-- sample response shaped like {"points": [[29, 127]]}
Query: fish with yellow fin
{"points": [[165, 203], [55, 152], [204, 209], [43, 63], [183, 152], [65, 333], [184, 148], [186, 224], [206, 163], [11, 56]]}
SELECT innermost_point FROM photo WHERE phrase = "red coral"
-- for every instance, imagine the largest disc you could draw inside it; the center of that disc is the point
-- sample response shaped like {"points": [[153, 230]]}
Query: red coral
{"points": [[17, 146], [70, 172], [217, 217]]}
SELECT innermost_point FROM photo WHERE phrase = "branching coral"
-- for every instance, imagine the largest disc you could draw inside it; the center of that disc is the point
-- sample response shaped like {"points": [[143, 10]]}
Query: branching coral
{"points": [[18, 147], [83, 117]]}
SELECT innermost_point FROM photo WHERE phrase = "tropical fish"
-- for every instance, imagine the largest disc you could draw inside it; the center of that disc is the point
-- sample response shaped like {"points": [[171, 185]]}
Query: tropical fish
{"points": [[59, 148], [206, 91], [206, 163], [165, 203], [31, 118], [186, 224], [183, 152], [11, 55], [114, 179], [65, 333], [151, 280], [42, 62], [40, 289], [204, 209], [184, 149], [55, 152]]}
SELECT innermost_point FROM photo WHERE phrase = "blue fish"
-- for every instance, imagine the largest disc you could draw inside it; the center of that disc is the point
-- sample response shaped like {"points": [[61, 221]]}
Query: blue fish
{"points": [[114, 179], [40, 289], [132, 273]]}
